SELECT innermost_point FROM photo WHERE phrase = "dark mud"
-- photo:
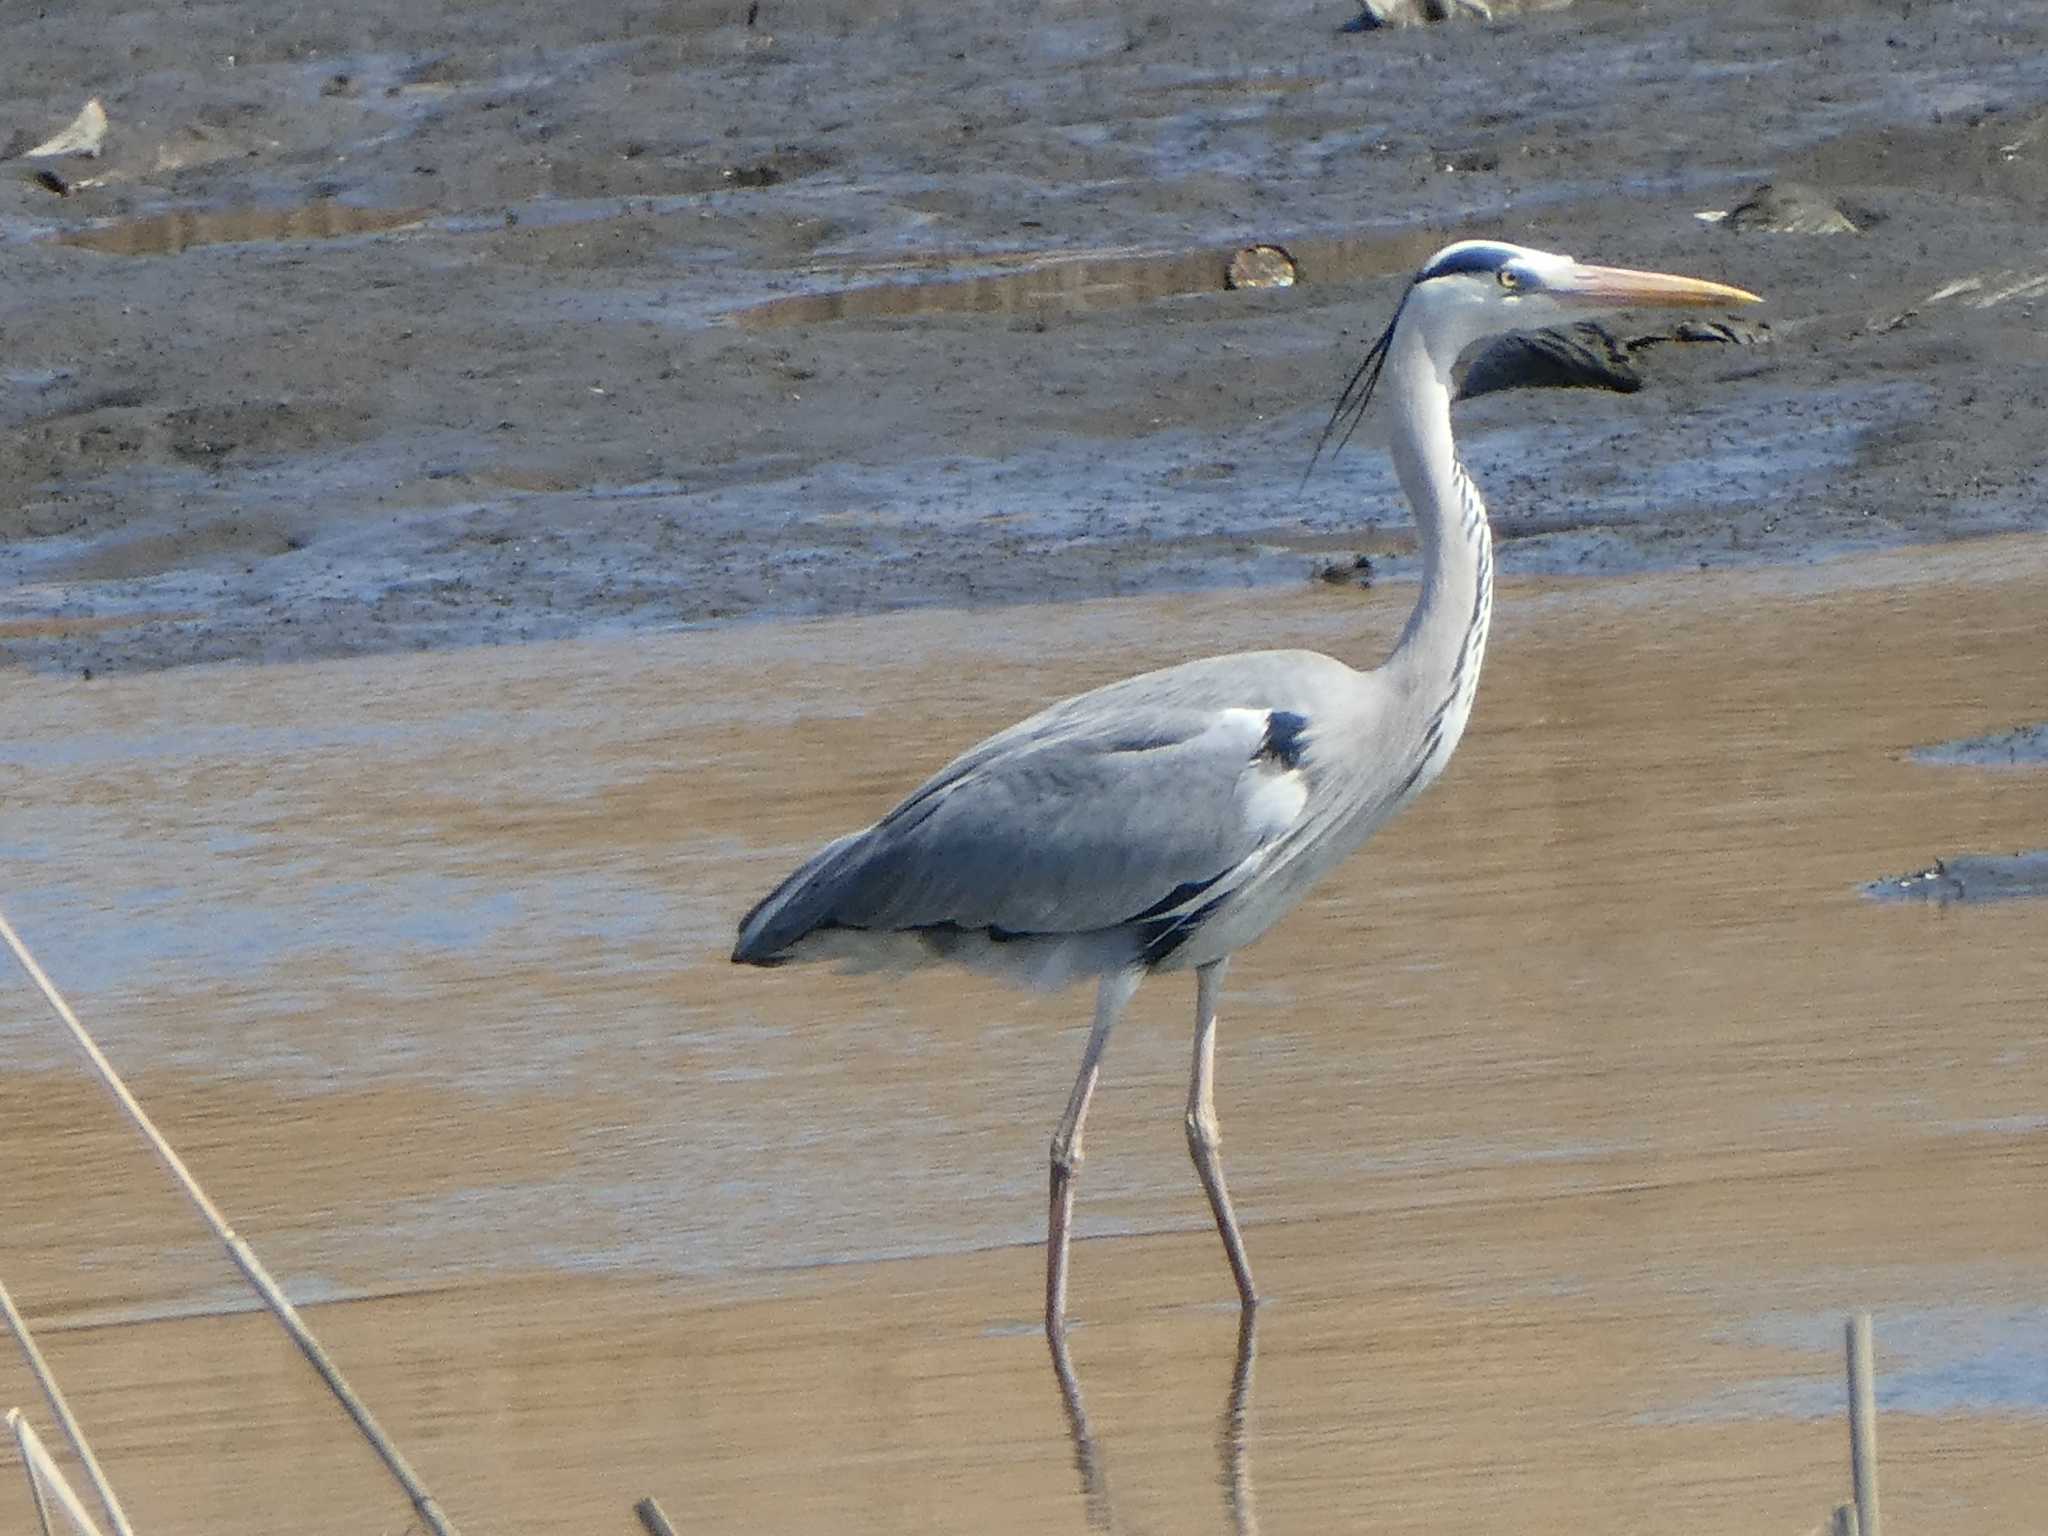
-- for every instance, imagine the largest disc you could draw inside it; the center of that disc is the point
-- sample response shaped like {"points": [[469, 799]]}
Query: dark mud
{"points": [[412, 326]]}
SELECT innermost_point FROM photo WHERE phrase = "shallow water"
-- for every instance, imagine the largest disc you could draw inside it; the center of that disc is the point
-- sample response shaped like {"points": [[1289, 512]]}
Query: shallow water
{"points": [[2022, 747], [1082, 284], [1969, 877], [1938, 1362], [1538, 1113], [166, 234]]}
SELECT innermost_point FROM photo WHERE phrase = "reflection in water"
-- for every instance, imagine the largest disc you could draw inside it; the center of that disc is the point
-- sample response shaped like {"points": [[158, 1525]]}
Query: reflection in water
{"points": [[1233, 1440], [166, 234], [1087, 284], [1087, 1460]]}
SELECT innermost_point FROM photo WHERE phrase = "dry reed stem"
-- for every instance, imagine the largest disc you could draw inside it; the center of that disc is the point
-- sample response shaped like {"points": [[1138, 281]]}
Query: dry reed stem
{"points": [[243, 1255], [44, 1473], [47, 1380]]}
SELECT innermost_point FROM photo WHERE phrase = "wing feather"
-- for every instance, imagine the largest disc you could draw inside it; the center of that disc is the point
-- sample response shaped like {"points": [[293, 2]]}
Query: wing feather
{"points": [[1060, 826]]}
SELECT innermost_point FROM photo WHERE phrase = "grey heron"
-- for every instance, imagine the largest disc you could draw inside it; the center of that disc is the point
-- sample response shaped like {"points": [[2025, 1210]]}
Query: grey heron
{"points": [[1163, 822]]}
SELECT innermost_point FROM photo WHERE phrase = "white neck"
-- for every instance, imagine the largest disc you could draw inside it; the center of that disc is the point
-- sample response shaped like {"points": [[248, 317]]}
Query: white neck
{"points": [[1439, 652]]}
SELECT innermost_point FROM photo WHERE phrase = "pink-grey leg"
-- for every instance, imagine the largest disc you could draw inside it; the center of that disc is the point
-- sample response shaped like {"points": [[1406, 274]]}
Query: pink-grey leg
{"points": [[1205, 1136], [1111, 998]]}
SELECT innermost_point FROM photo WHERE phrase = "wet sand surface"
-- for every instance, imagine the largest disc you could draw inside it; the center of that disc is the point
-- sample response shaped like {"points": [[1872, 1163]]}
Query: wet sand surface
{"points": [[1565, 1121]]}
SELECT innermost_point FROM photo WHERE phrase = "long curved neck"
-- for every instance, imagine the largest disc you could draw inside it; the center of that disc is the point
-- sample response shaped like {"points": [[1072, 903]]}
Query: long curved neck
{"points": [[1439, 652]]}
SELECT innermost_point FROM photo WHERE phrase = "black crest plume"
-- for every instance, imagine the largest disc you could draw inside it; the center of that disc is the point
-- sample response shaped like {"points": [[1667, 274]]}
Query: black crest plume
{"points": [[1357, 395]]}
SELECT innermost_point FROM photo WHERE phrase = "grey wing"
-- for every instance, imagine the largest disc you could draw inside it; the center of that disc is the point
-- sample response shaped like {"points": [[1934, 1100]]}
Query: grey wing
{"points": [[1060, 826]]}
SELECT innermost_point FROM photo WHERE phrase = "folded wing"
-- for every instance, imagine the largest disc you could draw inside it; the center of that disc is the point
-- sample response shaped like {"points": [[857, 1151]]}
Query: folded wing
{"points": [[1061, 826]]}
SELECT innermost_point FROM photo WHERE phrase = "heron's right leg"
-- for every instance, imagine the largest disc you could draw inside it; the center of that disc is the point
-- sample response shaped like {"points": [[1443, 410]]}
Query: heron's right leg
{"points": [[1111, 998], [1205, 1136]]}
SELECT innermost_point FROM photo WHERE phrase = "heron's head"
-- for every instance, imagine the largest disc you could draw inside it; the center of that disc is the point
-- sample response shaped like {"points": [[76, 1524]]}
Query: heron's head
{"points": [[1479, 288]]}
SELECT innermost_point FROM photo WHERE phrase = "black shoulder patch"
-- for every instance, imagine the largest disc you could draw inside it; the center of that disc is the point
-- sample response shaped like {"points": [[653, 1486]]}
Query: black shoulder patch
{"points": [[1468, 256], [1161, 936], [1283, 739], [1179, 896]]}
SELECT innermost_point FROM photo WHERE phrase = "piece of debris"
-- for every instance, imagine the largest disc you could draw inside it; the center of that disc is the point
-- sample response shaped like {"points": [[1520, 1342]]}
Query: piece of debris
{"points": [[1983, 290], [1375, 14], [1261, 266], [1732, 331], [1784, 208], [50, 181], [1991, 288], [1355, 572], [86, 133], [1586, 355], [2028, 138]]}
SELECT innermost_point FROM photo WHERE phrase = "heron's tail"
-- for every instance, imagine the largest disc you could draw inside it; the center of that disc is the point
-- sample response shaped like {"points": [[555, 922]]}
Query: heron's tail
{"points": [[789, 913]]}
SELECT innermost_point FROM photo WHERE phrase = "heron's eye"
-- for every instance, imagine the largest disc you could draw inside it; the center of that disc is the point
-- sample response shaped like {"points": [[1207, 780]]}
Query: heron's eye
{"points": [[1508, 280]]}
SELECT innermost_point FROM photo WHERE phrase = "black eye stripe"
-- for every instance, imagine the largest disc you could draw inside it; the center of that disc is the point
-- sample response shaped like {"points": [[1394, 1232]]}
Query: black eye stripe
{"points": [[1478, 257]]}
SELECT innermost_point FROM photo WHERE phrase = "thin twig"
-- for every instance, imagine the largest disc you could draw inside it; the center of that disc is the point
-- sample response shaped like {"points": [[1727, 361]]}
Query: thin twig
{"points": [[21, 1430], [1862, 1424], [66, 1420], [43, 1472], [243, 1255]]}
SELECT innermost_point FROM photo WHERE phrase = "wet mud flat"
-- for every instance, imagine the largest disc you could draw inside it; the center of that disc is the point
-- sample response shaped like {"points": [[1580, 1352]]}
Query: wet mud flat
{"points": [[419, 326], [1564, 1122]]}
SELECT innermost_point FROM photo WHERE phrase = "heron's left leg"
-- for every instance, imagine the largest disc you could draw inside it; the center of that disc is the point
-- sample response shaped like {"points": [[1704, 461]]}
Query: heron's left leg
{"points": [[1111, 998], [1205, 1136]]}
